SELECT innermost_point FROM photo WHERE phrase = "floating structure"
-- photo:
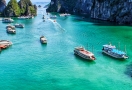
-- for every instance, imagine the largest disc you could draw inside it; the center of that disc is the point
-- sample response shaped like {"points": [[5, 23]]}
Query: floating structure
{"points": [[53, 16], [4, 44], [7, 20], [80, 51], [65, 14], [10, 26], [11, 31], [43, 17], [43, 40], [25, 17], [19, 25], [114, 52]]}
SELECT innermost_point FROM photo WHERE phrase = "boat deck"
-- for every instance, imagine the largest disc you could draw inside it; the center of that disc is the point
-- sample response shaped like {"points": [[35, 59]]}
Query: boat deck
{"points": [[86, 52]]}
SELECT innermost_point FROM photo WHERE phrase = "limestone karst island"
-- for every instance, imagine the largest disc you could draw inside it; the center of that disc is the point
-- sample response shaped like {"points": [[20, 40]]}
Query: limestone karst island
{"points": [[65, 44]]}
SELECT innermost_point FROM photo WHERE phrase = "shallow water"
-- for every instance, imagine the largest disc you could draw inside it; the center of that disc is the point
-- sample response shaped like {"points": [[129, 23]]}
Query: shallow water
{"points": [[29, 65]]}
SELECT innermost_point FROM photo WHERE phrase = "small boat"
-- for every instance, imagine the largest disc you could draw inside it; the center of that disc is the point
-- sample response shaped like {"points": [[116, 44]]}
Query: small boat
{"points": [[80, 51], [11, 31], [19, 25], [112, 51], [5, 42], [10, 26], [30, 17], [53, 17], [7, 20], [23, 17], [65, 14], [43, 17], [43, 39]]}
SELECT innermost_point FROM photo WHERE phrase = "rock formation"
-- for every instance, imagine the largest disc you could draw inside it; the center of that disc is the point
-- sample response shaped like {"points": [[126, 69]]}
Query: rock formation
{"points": [[23, 7], [119, 11], [27, 8], [2, 5], [12, 9]]}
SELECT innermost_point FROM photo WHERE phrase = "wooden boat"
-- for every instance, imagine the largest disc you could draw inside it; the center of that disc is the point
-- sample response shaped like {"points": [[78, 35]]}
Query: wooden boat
{"points": [[11, 31], [112, 51], [7, 20], [43, 40], [5, 42], [19, 25], [10, 26], [80, 51]]}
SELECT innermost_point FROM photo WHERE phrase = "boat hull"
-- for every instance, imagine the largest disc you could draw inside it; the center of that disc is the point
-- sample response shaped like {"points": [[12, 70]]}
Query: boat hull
{"points": [[43, 42], [82, 55], [113, 55], [11, 32]]}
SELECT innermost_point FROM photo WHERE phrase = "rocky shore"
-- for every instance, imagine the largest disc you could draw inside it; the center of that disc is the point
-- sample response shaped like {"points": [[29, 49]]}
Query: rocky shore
{"points": [[119, 11]]}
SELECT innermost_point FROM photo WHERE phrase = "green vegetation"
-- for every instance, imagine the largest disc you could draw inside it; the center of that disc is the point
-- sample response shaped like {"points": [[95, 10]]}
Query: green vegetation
{"points": [[23, 7], [26, 7], [12, 9]]}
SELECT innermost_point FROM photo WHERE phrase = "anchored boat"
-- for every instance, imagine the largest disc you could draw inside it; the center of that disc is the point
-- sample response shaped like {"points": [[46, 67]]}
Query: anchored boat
{"points": [[5, 42], [7, 20], [53, 16], [10, 26], [19, 25], [114, 52], [11, 31], [43, 40], [80, 51]]}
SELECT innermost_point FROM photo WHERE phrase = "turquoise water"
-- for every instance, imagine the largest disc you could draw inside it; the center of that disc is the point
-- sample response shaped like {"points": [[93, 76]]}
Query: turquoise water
{"points": [[29, 65]]}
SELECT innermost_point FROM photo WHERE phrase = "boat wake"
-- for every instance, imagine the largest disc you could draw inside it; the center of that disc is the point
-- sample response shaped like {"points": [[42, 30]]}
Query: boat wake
{"points": [[57, 25]]}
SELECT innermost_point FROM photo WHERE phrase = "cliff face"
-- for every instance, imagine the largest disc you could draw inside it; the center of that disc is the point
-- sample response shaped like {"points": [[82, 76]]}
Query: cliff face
{"points": [[119, 11], [2, 5], [27, 8], [23, 7], [12, 9], [62, 6]]}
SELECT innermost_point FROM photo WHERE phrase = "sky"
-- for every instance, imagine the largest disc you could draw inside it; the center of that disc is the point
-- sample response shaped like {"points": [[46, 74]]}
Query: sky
{"points": [[35, 0]]}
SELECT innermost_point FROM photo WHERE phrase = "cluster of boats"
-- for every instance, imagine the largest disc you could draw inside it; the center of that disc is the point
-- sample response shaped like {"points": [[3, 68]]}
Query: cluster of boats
{"points": [[4, 44], [25, 17], [11, 29], [65, 14], [108, 49]]}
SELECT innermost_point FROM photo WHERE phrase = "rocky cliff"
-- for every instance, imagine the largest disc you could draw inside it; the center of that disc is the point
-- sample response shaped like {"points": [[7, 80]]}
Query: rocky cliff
{"points": [[23, 7], [2, 5], [27, 8], [119, 11]]}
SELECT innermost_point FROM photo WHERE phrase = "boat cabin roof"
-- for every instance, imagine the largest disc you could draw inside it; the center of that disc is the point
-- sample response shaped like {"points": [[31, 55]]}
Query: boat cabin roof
{"points": [[109, 46], [118, 51]]}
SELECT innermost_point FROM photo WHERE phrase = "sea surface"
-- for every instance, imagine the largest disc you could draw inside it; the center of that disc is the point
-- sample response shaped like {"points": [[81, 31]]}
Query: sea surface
{"points": [[29, 65]]}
